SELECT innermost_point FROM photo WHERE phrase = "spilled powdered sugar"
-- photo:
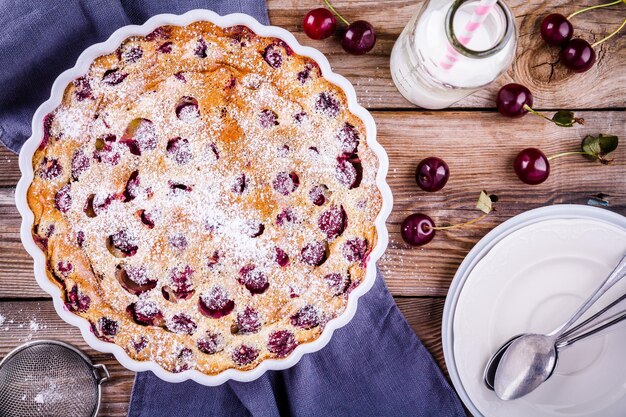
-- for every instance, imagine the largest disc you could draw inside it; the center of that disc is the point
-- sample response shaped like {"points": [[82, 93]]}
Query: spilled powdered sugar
{"points": [[34, 326]]}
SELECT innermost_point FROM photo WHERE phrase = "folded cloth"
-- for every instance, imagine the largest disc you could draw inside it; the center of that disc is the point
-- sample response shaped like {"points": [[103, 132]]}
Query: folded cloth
{"points": [[39, 39], [374, 366]]}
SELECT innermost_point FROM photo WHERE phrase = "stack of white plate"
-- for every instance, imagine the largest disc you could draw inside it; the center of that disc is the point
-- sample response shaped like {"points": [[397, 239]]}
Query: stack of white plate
{"points": [[529, 275]]}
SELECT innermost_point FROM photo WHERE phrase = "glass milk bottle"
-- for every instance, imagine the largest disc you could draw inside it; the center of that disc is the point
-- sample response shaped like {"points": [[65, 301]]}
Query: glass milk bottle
{"points": [[452, 48]]}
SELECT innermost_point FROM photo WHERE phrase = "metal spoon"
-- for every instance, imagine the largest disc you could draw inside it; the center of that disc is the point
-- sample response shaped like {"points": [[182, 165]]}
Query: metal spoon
{"points": [[530, 359], [583, 328]]}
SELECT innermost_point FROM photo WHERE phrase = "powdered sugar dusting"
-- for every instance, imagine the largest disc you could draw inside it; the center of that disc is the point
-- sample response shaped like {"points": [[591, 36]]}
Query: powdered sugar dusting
{"points": [[147, 308], [208, 151]]}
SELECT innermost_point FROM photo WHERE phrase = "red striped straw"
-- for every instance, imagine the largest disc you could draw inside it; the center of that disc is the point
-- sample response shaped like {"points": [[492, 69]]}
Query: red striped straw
{"points": [[478, 17]]}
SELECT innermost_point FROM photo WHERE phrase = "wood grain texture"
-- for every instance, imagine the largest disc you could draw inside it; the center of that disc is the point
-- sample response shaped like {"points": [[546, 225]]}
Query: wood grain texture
{"points": [[20, 318], [552, 85], [23, 317], [479, 148], [9, 168]]}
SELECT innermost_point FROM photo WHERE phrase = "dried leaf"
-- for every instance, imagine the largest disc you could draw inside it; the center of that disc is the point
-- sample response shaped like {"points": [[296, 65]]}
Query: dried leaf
{"points": [[484, 202]]}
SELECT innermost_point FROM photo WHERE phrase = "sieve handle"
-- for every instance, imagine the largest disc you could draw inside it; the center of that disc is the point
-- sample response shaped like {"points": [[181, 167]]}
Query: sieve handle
{"points": [[102, 373]]}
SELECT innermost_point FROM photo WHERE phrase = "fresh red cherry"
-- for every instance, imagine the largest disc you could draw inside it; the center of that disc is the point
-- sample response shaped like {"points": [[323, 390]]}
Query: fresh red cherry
{"points": [[432, 174], [578, 55], [319, 23], [512, 98], [359, 38], [417, 229], [556, 29], [532, 166]]}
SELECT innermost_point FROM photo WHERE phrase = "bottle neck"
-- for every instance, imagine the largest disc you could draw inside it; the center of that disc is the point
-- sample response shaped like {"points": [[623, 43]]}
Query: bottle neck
{"points": [[485, 38]]}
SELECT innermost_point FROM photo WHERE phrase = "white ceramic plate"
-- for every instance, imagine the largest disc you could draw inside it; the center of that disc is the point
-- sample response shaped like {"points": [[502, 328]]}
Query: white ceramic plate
{"points": [[81, 67], [530, 274]]}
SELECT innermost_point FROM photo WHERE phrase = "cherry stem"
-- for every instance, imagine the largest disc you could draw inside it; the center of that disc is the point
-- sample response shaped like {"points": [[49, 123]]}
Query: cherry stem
{"points": [[613, 3], [456, 226], [536, 113], [593, 45], [332, 9], [558, 155]]}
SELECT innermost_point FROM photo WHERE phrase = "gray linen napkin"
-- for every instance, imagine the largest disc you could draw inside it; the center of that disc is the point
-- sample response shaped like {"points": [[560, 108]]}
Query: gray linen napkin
{"points": [[39, 39], [374, 366]]}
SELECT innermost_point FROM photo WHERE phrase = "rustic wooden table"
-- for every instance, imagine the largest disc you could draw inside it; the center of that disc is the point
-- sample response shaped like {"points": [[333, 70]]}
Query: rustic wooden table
{"points": [[477, 143]]}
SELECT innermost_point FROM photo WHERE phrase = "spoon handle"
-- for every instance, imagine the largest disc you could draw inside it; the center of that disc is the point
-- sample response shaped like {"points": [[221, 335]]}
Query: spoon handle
{"points": [[598, 328], [583, 326], [617, 274]]}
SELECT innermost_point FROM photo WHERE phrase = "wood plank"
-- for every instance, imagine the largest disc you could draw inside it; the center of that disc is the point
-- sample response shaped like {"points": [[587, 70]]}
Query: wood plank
{"points": [[32, 320], [9, 168], [553, 86], [480, 159]]}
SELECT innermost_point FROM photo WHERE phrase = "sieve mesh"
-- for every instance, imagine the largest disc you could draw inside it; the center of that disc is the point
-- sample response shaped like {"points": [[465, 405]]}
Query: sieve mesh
{"points": [[48, 380]]}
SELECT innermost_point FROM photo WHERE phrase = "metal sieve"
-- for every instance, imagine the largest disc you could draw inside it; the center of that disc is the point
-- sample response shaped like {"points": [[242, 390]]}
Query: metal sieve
{"points": [[47, 378]]}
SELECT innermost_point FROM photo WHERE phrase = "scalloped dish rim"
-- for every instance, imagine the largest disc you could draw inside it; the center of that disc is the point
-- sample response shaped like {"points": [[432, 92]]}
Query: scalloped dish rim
{"points": [[81, 67]]}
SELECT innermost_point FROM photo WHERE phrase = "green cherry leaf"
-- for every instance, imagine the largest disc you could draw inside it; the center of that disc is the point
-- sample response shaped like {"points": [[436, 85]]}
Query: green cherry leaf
{"points": [[484, 203], [598, 147], [591, 145], [566, 118], [608, 143]]}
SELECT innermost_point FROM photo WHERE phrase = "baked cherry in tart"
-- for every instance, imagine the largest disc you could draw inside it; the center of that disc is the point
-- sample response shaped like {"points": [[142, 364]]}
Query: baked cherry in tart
{"points": [[198, 195], [281, 342]]}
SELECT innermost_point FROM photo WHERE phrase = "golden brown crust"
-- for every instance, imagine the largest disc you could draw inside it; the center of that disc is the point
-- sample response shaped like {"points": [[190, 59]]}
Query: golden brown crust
{"points": [[165, 184]]}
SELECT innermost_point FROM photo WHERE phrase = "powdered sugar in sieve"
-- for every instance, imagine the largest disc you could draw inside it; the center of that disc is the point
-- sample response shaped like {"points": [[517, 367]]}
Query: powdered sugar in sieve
{"points": [[50, 378]]}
